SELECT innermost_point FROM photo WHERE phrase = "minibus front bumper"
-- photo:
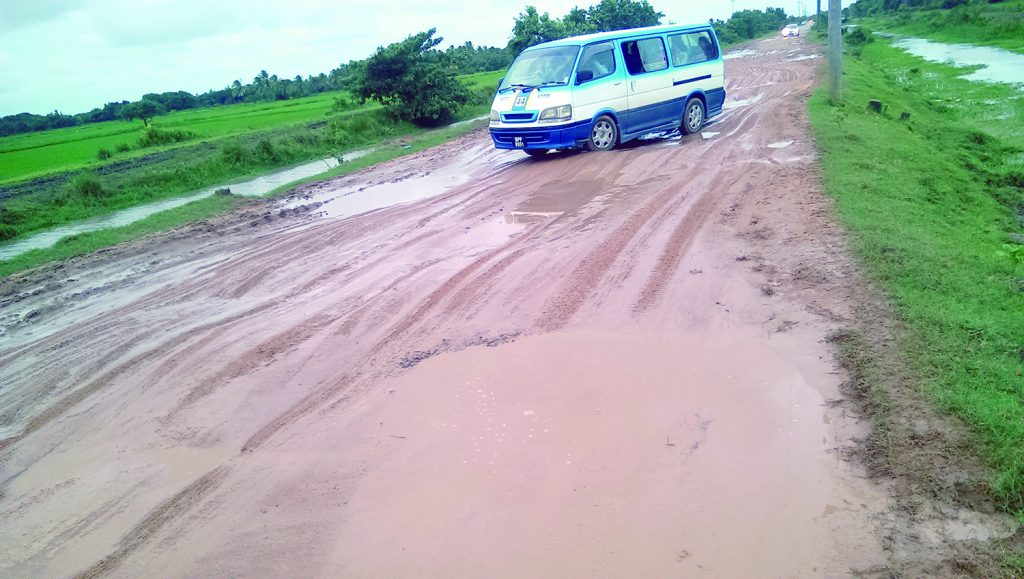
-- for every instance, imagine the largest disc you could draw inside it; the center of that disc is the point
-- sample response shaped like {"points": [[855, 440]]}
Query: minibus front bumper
{"points": [[541, 137]]}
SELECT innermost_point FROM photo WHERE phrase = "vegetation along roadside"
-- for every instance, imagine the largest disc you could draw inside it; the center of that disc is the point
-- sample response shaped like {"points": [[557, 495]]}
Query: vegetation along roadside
{"points": [[934, 200]]}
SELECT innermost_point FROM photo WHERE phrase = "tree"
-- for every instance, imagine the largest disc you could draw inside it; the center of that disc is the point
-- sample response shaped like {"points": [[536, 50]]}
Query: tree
{"points": [[411, 80], [144, 109], [611, 15], [531, 28]]}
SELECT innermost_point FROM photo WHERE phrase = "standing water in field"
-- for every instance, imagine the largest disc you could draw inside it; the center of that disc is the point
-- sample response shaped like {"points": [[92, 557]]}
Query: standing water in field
{"points": [[997, 65], [258, 186]]}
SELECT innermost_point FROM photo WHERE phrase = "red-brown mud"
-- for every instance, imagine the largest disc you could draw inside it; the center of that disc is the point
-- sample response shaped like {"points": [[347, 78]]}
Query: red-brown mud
{"points": [[587, 364]]}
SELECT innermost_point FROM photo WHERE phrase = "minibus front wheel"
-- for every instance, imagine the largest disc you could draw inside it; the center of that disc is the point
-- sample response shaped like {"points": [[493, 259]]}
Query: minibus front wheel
{"points": [[693, 117], [604, 135]]}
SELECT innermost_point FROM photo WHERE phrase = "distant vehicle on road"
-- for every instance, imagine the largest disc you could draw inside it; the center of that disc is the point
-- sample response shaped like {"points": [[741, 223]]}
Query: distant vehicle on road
{"points": [[791, 30], [601, 90]]}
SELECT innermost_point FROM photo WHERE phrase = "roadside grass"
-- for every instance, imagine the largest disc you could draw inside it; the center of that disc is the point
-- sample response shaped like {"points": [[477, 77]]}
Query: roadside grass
{"points": [[931, 203], [92, 241], [59, 199], [217, 204], [31, 155], [999, 24]]}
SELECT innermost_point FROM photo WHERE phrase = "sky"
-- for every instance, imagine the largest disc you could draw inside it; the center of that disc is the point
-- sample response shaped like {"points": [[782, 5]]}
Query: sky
{"points": [[75, 55]]}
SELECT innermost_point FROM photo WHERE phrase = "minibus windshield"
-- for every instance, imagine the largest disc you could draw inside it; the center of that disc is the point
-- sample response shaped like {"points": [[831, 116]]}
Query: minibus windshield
{"points": [[541, 67]]}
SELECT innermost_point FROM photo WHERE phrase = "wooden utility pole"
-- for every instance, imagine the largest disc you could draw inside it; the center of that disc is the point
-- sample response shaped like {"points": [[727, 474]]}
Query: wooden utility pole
{"points": [[835, 51]]}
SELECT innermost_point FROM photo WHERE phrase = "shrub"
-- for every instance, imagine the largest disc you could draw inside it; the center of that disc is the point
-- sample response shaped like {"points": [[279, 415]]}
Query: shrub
{"points": [[265, 150], [7, 232], [103, 154], [122, 147], [153, 136], [234, 154], [86, 187]]}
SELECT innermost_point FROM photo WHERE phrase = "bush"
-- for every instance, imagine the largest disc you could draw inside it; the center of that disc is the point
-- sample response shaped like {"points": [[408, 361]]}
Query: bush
{"points": [[153, 136], [343, 103], [103, 154], [86, 187], [234, 154], [7, 232], [122, 147], [859, 37], [265, 150]]}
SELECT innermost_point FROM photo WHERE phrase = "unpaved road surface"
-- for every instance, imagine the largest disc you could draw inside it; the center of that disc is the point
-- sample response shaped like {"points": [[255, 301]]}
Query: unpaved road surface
{"points": [[584, 365]]}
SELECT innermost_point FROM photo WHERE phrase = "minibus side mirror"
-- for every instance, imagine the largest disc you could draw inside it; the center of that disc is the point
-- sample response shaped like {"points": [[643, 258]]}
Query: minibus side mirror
{"points": [[583, 76], [500, 80]]}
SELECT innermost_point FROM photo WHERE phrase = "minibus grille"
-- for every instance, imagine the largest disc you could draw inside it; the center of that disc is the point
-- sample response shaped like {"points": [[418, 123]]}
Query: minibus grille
{"points": [[528, 138], [518, 117]]}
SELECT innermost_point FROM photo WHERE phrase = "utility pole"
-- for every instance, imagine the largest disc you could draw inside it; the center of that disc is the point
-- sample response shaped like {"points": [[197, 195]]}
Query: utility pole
{"points": [[835, 51], [817, 15]]}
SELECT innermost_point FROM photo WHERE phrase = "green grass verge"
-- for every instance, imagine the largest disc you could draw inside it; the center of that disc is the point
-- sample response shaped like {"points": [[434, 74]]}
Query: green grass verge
{"points": [[61, 198], [1000, 25], [931, 203], [215, 205], [92, 241], [31, 155]]}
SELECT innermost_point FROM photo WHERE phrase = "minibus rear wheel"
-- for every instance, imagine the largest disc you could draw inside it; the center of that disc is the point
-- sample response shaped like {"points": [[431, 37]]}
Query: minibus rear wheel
{"points": [[693, 117], [604, 135]]}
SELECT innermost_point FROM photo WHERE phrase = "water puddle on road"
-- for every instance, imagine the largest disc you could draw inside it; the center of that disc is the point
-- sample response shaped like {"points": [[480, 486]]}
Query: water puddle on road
{"points": [[252, 187], [780, 145], [359, 199], [632, 454], [997, 65], [739, 54]]}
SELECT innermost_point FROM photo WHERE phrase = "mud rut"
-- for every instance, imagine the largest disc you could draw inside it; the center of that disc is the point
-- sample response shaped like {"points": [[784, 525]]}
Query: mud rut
{"points": [[247, 396]]}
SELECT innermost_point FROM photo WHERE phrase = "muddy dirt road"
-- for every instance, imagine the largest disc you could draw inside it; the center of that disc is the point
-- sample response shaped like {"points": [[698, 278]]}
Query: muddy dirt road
{"points": [[584, 365]]}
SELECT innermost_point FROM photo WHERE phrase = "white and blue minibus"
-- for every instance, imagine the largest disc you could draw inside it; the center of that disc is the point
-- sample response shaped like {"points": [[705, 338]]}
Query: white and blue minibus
{"points": [[601, 90]]}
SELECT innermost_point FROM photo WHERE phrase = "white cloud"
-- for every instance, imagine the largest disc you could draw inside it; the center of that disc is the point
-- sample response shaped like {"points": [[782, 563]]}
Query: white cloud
{"points": [[74, 55]]}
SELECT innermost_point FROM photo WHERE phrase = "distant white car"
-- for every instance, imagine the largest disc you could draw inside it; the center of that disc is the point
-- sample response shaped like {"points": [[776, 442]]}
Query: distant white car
{"points": [[791, 30]]}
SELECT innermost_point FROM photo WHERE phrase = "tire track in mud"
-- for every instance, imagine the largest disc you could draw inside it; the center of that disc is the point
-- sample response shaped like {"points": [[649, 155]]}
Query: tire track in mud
{"points": [[587, 274], [141, 533], [396, 280]]}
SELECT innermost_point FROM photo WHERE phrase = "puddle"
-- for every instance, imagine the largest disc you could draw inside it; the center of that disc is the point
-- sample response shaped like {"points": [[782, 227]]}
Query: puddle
{"points": [[358, 199], [634, 454], [803, 57], [708, 135], [780, 145], [468, 121], [998, 65], [738, 103], [739, 54], [257, 186]]}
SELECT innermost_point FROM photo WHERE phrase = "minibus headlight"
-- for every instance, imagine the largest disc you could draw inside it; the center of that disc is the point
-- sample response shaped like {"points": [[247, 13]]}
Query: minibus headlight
{"points": [[494, 116], [562, 113]]}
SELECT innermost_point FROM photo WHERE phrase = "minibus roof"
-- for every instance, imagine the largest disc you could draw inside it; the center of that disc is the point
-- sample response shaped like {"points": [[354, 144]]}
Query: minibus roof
{"points": [[628, 33]]}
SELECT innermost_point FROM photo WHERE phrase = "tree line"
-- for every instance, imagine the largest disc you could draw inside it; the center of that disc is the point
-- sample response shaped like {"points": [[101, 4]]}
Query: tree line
{"points": [[412, 79]]}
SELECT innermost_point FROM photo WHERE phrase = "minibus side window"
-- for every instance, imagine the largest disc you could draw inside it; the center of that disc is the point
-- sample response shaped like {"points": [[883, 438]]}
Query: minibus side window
{"points": [[692, 48], [598, 59], [647, 55]]}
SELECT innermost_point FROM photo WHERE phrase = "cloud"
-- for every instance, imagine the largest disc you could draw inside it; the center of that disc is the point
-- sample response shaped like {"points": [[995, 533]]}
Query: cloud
{"points": [[16, 14], [74, 55]]}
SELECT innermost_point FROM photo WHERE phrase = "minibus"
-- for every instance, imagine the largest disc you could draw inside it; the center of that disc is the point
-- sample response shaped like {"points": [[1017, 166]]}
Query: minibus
{"points": [[600, 90]]}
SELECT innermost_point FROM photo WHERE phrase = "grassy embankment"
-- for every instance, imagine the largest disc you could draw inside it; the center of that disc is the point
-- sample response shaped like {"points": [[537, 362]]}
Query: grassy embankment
{"points": [[221, 145], [211, 206], [934, 204], [1000, 24]]}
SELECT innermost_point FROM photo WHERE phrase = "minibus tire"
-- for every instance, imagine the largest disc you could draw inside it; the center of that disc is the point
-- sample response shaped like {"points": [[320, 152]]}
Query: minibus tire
{"points": [[693, 117], [536, 152], [600, 128]]}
